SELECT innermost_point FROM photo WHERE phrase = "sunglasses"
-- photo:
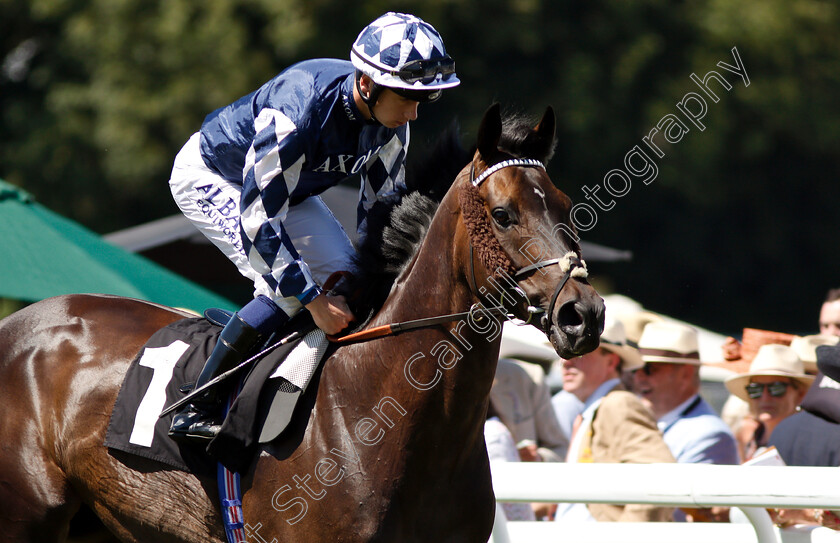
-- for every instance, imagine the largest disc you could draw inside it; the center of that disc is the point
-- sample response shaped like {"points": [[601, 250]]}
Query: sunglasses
{"points": [[650, 369], [647, 369], [426, 70], [777, 389]]}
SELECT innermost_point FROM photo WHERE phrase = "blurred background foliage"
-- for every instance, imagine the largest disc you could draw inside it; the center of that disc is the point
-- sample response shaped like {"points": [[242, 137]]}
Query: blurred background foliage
{"points": [[737, 230]]}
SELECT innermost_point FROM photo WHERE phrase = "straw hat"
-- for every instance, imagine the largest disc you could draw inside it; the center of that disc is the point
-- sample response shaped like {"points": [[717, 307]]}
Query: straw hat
{"points": [[806, 349], [738, 355], [614, 340], [634, 324], [772, 359], [669, 342]]}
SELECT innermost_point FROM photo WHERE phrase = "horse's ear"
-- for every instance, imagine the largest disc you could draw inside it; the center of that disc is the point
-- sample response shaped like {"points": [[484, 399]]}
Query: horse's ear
{"points": [[490, 131], [545, 134]]}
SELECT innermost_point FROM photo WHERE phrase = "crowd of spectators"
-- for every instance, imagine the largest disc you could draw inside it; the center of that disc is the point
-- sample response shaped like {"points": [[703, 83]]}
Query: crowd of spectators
{"points": [[637, 399]]}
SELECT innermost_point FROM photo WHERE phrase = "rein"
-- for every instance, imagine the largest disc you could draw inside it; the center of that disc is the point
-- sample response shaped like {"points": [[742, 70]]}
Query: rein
{"points": [[397, 327], [571, 265]]}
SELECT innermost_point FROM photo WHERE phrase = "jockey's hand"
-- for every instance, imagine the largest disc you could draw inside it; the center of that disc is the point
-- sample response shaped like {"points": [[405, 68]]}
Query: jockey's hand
{"points": [[330, 313]]}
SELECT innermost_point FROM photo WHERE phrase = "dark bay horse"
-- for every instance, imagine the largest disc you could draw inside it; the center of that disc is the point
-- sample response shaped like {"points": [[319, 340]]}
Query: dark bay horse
{"points": [[394, 449]]}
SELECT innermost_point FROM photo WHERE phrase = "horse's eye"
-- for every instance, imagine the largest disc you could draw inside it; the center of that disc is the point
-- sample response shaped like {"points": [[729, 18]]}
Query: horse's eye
{"points": [[501, 217]]}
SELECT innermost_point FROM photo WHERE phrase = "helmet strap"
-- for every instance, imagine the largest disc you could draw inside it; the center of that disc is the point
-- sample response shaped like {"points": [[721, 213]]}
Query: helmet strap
{"points": [[370, 99]]}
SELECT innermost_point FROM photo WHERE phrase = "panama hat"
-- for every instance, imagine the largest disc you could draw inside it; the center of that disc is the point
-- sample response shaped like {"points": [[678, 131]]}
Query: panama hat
{"points": [[634, 324], [772, 359], [806, 349], [669, 342], [614, 340]]}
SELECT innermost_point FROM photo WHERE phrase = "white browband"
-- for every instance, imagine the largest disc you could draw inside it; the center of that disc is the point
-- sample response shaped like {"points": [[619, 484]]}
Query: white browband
{"points": [[504, 164]]}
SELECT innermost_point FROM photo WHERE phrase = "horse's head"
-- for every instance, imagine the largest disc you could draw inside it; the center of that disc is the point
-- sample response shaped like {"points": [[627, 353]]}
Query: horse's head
{"points": [[521, 233]]}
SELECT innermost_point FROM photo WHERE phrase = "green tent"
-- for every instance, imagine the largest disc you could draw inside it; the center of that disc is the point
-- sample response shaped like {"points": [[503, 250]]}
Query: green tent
{"points": [[45, 254]]}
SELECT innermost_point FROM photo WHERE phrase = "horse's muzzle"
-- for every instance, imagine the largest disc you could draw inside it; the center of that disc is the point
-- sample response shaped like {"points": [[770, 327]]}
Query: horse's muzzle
{"points": [[577, 325]]}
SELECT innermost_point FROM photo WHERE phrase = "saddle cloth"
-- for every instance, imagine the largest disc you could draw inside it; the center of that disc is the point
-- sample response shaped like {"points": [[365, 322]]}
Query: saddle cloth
{"points": [[175, 355]]}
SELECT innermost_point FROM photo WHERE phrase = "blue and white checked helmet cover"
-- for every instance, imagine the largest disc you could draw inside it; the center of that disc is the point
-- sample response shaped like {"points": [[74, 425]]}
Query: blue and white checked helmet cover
{"points": [[391, 41]]}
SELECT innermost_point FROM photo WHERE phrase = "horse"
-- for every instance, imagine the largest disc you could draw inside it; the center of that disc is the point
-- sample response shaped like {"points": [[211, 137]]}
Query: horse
{"points": [[393, 449]]}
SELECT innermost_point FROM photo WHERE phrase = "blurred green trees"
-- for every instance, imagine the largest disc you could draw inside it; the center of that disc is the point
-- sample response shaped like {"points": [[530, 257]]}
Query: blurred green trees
{"points": [[737, 229]]}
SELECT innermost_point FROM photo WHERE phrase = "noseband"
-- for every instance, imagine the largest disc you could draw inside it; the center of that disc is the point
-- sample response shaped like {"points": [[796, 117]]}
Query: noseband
{"points": [[570, 264]]}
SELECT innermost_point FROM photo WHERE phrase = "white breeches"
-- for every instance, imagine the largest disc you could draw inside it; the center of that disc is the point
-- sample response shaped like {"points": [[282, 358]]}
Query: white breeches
{"points": [[214, 209]]}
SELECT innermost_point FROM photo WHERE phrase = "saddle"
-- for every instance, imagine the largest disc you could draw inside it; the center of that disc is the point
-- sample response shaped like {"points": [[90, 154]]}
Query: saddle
{"points": [[265, 393]]}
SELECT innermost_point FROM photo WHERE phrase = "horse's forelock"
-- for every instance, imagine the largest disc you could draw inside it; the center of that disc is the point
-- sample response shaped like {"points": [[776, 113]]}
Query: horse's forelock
{"points": [[521, 140]]}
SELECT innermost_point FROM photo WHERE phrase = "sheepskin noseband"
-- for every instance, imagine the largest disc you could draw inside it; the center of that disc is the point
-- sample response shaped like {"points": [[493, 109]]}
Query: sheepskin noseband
{"points": [[490, 253]]}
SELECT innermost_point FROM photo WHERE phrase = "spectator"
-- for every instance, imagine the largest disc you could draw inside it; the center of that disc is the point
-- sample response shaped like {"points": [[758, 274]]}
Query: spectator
{"points": [[811, 437], [635, 324], [773, 388], [614, 426], [520, 397], [830, 313], [737, 356], [566, 407], [828, 361], [669, 385], [806, 346], [502, 448]]}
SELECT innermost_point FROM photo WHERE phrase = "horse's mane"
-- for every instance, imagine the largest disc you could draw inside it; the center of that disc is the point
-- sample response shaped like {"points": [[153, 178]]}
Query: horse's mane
{"points": [[395, 229]]}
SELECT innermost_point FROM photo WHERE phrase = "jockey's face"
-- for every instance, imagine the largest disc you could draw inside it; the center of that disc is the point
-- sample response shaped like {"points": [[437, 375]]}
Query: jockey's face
{"points": [[393, 110]]}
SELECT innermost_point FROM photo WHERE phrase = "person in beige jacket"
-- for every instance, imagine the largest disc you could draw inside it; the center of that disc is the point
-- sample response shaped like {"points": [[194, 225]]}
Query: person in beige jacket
{"points": [[615, 427]]}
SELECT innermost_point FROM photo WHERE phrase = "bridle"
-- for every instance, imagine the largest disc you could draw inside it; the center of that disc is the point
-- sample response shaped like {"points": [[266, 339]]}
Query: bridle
{"points": [[570, 264]]}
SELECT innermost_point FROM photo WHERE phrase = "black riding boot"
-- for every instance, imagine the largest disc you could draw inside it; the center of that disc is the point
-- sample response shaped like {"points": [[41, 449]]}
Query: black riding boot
{"points": [[200, 420]]}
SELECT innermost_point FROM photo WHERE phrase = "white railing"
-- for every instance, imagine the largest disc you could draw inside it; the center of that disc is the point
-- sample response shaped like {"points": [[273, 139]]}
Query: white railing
{"points": [[749, 488]]}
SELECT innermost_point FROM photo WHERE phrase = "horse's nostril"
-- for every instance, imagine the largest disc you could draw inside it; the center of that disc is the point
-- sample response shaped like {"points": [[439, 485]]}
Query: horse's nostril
{"points": [[569, 315]]}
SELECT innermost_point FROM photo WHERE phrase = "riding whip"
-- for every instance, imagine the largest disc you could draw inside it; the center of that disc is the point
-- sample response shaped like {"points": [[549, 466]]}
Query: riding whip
{"points": [[229, 373]]}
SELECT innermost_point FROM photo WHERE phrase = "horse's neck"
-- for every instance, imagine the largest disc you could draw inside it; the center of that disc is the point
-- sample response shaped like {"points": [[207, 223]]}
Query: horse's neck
{"points": [[433, 282], [458, 356]]}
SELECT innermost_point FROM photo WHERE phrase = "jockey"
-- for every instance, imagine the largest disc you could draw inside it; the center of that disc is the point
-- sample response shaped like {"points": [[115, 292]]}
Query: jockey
{"points": [[250, 179]]}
